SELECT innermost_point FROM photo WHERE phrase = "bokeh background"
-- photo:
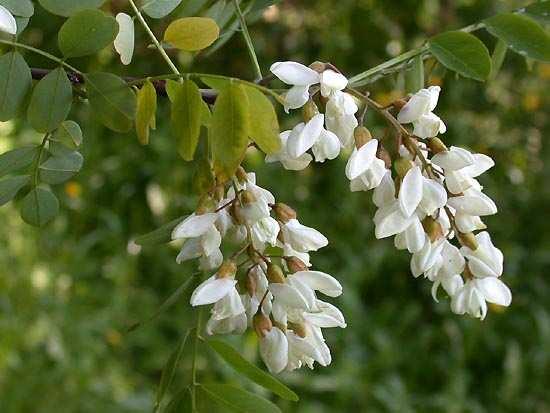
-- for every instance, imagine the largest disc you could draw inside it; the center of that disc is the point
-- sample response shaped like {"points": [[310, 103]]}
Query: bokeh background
{"points": [[68, 292]]}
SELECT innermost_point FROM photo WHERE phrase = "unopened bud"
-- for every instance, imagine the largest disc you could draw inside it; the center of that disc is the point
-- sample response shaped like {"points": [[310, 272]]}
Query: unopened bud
{"points": [[399, 103], [247, 197], [469, 240], [309, 111], [319, 67], [275, 274], [361, 135], [283, 212], [436, 145], [261, 324], [433, 228], [383, 154], [402, 166], [240, 173], [228, 269], [299, 329], [251, 252], [295, 264], [235, 211], [251, 283]]}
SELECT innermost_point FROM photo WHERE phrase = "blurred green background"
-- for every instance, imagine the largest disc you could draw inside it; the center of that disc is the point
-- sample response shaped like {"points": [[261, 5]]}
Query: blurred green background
{"points": [[68, 292]]}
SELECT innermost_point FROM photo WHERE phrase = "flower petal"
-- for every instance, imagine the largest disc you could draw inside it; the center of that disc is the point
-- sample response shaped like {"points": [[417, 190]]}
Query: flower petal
{"points": [[319, 281], [332, 81], [300, 142], [361, 159], [7, 21], [296, 74], [296, 97], [124, 42], [212, 290], [274, 350], [494, 291], [194, 225], [410, 193]]}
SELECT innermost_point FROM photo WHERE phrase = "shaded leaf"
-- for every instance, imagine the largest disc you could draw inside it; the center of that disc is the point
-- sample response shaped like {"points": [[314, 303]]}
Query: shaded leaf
{"points": [[51, 101], [112, 100], [69, 134], [19, 8], [539, 11], [258, 376], [463, 53], [181, 402], [172, 88], [157, 9], [203, 178], [522, 34], [9, 187], [146, 112], [414, 77], [161, 235], [16, 159], [185, 118], [237, 399], [69, 7], [15, 84], [263, 125], [39, 207], [192, 33], [497, 58], [58, 169]]}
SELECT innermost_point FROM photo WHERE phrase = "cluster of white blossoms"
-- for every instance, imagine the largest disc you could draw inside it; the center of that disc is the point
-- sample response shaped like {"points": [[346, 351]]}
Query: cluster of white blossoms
{"points": [[430, 197], [279, 301]]}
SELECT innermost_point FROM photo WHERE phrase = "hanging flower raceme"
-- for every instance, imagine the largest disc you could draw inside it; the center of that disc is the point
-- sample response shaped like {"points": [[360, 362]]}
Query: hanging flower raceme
{"points": [[277, 293]]}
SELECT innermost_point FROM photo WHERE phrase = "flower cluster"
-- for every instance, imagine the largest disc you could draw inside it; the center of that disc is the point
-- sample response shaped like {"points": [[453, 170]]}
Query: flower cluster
{"points": [[428, 199], [275, 293]]}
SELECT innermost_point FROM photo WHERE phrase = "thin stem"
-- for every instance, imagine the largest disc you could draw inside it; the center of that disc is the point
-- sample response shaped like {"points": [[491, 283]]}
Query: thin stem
{"points": [[248, 41], [153, 38], [194, 382], [39, 159], [43, 53]]}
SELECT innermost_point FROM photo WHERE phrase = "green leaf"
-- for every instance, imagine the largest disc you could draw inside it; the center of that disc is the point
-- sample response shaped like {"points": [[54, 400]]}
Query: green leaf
{"points": [[463, 53], [258, 376], [414, 77], [539, 11], [58, 169], [206, 115], [112, 100], [39, 207], [216, 83], [203, 178], [497, 58], [15, 84], [146, 112], [263, 126], [180, 403], [19, 8], [16, 159], [186, 118], [9, 187], [67, 8], [169, 370], [86, 32], [228, 131], [69, 134], [522, 34], [51, 101], [172, 88], [157, 9], [237, 399], [192, 33], [161, 235]]}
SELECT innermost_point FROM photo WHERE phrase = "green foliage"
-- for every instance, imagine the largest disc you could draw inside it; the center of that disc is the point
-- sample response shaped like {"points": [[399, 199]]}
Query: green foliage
{"points": [[51, 101], [237, 400], [539, 10], [15, 84], [69, 7], [86, 32], [186, 116], [68, 134], [112, 100], [192, 33], [497, 58], [146, 111], [522, 34], [17, 159], [157, 9], [241, 365], [61, 167], [19, 8], [463, 53], [9, 187], [161, 235], [262, 121], [39, 207], [414, 79]]}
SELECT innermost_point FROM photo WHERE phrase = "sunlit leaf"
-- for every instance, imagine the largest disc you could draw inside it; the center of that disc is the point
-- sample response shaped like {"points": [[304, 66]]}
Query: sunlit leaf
{"points": [[237, 399], [263, 125], [186, 118], [69, 7], [17, 159], [522, 34], [9, 187], [157, 9], [58, 169], [51, 101], [39, 207], [192, 33], [15, 84], [146, 112], [463, 53], [258, 376], [86, 32]]}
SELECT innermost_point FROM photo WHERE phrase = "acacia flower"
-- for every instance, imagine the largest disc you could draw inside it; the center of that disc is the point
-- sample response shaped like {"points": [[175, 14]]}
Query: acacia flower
{"points": [[7, 21], [419, 112]]}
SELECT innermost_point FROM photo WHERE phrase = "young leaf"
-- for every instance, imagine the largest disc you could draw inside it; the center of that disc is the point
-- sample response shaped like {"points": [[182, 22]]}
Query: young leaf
{"points": [[86, 32], [112, 100], [522, 34], [51, 101], [262, 121], [161, 235], [9, 187], [15, 84], [169, 370], [463, 53], [192, 33], [67, 8], [186, 118], [39, 207], [146, 112], [157, 9], [172, 88], [58, 169], [19, 8], [69, 134], [216, 83], [539, 11], [228, 131], [237, 399], [206, 115], [414, 77], [240, 364], [16, 159], [497, 58]]}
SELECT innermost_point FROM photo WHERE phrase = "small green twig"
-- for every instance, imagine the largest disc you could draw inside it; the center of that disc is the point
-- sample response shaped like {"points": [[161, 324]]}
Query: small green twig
{"points": [[39, 159], [248, 41], [194, 382]]}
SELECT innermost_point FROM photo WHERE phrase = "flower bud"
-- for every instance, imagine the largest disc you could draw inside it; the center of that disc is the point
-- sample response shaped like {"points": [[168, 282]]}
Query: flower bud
{"points": [[383, 154], [247, 197], [402, 166], [469, 240], [361, 135], [295, 264], [309, 111], [227, 269], [433, 228], [275, 274], [235, 211], [250, 283], [399, 103], [319, 67], [299, 329], [240, 173], [467, 273], [283, 212], [436, 145], [261, 324]]}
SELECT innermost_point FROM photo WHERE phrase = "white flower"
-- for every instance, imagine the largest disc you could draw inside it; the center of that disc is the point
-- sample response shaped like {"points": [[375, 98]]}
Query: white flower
{"points": [[326, 316], [487, 260], [300, 351], [287, 297], [231, 325], [418, 111], [447, 273], [340, 117], [289, 162], [318, 281], [212, 290], [274, 350], [364, 169], [229, 306], [412, 238], [419, 191], [332, 82], [302, 238], [428, 258], [264, 232], [194, 225], [124, 41], [473, 202], [228, 315], [472, 298], [300, 77], [7, 21], [327, 146]]}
